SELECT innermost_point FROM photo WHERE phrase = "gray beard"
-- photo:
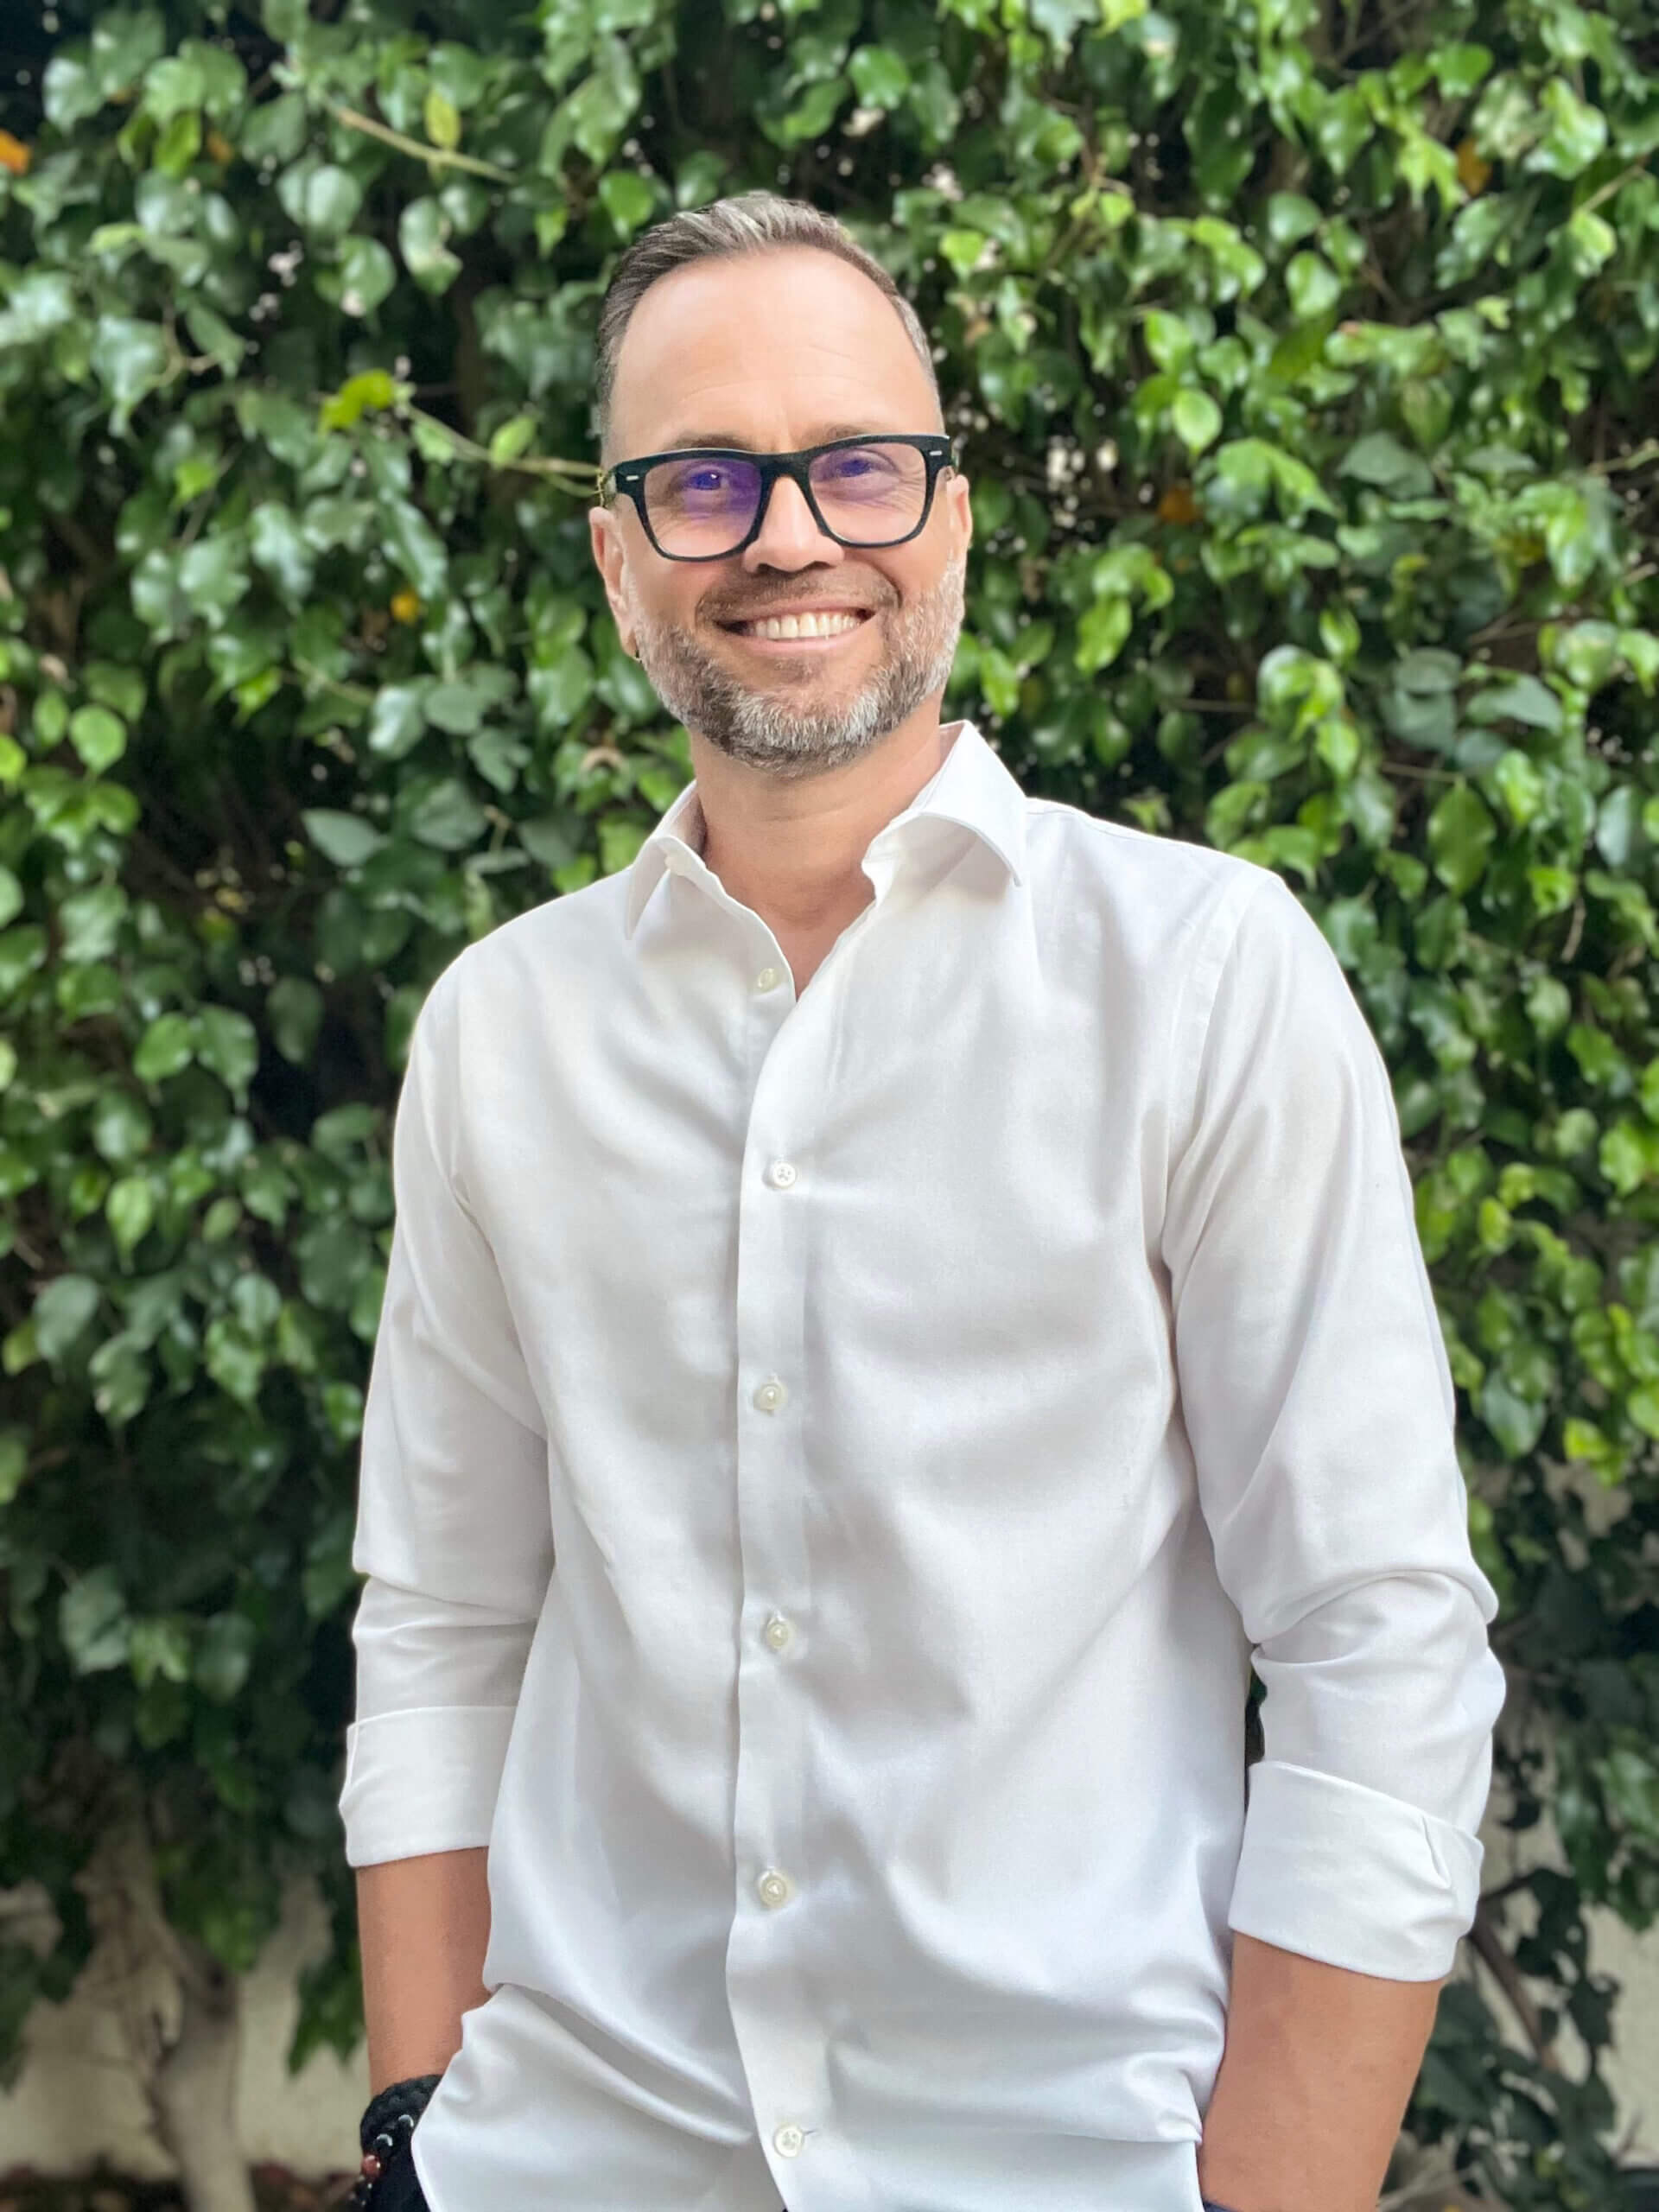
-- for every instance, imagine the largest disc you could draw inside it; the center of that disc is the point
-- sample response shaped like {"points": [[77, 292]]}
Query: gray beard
{"points": [[765, 729]]}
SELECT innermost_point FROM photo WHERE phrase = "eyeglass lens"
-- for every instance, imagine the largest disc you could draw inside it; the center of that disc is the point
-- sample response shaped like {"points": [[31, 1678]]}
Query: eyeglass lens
{"points": [[868, 495]]}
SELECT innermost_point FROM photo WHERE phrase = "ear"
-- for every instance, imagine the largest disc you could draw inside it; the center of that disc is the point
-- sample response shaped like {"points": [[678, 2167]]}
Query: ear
{"points": [[611, 559], [960, 507]]}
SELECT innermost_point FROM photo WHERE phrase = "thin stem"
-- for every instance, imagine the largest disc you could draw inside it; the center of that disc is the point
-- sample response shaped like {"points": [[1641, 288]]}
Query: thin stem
{"points": [[467, 449], [437, 157]]}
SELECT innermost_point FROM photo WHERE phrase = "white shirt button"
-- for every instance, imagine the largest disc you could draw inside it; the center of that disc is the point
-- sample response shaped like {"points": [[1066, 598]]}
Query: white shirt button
{"points": [[777, 1632], [781, 1174], [772, 1398], [767, 980], [774, 1889], [789, 2141]]}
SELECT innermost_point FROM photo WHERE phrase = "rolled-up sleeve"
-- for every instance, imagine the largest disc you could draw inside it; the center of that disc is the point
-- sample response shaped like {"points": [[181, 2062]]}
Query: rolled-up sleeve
{"points": [[1319, 1407], [453, 1525]]}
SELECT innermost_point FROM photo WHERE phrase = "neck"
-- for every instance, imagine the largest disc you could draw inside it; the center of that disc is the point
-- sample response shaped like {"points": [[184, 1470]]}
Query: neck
{"points": [[790, 849]]}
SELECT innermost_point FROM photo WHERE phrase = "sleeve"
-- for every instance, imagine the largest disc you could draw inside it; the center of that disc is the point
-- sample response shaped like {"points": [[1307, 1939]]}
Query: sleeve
{"points": [[453, 1528], [1319, 1407]]}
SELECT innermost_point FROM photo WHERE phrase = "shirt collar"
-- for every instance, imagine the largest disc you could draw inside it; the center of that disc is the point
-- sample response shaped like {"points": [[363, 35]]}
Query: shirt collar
{"points": [[971, 787]]}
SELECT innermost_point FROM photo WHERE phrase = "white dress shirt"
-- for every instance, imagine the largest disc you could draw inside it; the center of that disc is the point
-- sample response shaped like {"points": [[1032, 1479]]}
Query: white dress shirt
{"points": [[829, 1464]]}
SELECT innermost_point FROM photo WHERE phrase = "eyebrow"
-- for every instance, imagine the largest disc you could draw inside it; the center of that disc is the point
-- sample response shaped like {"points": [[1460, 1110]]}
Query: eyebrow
{"points": [[735, 441]]}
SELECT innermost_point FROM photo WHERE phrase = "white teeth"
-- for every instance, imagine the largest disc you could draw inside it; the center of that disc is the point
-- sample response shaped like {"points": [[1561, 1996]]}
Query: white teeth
{"points": [[802, 625]]}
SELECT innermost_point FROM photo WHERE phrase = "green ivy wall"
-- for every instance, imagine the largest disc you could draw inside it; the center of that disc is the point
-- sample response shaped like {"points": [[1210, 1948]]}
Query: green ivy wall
{"points": [[1305, 356]]}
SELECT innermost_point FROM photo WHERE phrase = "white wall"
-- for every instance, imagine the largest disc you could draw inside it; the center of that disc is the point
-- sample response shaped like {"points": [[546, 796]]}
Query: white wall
{"points": [[78, 2101]]}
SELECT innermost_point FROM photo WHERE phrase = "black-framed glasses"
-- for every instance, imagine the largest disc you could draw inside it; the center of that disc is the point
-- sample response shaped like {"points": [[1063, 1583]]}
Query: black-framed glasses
{"points": [[707, 503]]}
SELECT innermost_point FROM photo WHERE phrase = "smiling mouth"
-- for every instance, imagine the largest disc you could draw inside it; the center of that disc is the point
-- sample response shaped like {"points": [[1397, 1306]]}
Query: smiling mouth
{"points": [[825, 622]]}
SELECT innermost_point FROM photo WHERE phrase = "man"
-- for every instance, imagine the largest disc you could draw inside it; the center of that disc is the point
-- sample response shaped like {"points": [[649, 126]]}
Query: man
{"points": [[898, 1297]]}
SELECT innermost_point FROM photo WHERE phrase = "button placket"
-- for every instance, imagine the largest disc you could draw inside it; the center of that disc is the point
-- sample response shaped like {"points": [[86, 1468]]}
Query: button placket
{"points": [[780, 2040]]}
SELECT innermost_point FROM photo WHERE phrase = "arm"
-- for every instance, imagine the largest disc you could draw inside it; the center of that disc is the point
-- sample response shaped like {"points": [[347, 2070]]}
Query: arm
{"points": [[1318, 2070], [1318, 1402], [414, 1993], [454, 1538]]}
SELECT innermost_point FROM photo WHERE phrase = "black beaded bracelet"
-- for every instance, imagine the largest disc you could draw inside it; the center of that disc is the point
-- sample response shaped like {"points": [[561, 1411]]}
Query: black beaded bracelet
{"points": [[387, 2124]]}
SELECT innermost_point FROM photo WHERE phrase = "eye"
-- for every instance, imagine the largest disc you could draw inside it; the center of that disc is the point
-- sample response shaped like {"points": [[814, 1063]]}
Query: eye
{"points": [[845, 466]]}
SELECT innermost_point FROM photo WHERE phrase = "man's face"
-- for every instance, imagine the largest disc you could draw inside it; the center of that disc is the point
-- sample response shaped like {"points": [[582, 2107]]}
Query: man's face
{"points": [[773, 351]]}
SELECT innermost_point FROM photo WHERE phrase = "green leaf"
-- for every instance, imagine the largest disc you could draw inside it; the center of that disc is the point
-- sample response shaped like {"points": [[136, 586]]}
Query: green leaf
{"points": [[1515, 1421], [94, 1622], [91, 923], [374, 389], [422, 229], [14, 1462], [1380, 458], [1313, 285], [397, 720], [227, 1042], [167, 1045], [515, 436], [122, 1129], [294, 1009], [881, 76], [345, 839], [225, 1656], [1197, 419], [234, 1359], [366, 275], [1461, 832], [97, 737], [70, 92], [1522, 699], [277, 545], [129, 358], [171, 85], [159, 1650], [442, 120], [63, 1309], [1291, 216], [1103, 633], [129, 1209], [627, 199], [448, 816]]}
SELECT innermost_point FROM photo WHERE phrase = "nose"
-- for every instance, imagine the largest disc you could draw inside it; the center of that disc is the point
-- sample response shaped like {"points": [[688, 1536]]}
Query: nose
{"points": [[790, 538]]}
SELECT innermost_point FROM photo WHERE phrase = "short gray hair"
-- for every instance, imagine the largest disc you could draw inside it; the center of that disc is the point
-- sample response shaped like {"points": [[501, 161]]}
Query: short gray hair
{"points": [[754, 222]]}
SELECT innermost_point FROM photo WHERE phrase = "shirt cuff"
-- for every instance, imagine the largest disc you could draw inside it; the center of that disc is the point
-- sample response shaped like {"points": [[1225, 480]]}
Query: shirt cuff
{"points": [[1345, 1874], [422, 1780]]}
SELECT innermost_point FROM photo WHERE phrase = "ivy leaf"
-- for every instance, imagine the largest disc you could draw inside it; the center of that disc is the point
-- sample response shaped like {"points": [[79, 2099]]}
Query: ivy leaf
{"points": [[1461, 832], [294, 1009], [446, 816], [277, 545], [1380, 458], [422, 229], [167, 1045], [225, 1656], [64, 1308], [130, 1209], [442, 120], [129, 358], [881, 77], [227, 1042], [345, 839], [1197, 419], [94, 1622]]}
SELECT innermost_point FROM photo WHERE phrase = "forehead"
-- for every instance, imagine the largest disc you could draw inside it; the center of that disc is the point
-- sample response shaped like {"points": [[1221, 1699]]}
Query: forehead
{"points": [[765, 349]]}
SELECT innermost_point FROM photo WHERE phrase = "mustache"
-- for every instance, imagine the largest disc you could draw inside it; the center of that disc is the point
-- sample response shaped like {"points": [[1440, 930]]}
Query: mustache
{"points": [[754, 605]]}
